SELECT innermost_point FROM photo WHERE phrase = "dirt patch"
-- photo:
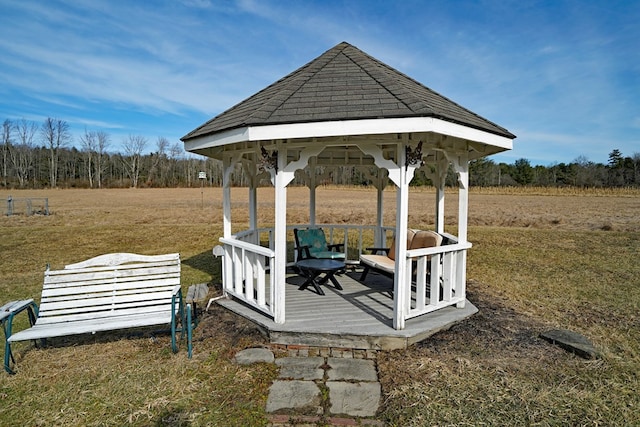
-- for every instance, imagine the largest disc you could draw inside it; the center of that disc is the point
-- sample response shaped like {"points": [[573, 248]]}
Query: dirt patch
{"points": [[495, 329], [229, 330], [496, 338]]}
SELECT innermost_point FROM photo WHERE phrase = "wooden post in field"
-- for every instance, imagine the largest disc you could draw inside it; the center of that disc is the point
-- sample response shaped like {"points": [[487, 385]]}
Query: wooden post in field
{"points": [[202, 176]]}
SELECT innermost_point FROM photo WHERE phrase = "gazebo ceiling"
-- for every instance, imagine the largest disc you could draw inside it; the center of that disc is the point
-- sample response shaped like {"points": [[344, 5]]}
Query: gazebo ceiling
{"points": [[344, 98]]}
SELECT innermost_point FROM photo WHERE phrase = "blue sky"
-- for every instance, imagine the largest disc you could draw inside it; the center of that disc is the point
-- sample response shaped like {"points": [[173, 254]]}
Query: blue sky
{"points": [[564, 76]]}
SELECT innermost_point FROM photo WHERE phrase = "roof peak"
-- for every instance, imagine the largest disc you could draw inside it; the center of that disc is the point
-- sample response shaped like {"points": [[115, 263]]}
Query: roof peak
{"points": [[343, 83]]}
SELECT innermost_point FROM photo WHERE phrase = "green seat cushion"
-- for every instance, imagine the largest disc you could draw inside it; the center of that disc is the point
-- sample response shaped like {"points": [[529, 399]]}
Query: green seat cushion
{"points": [[315, 239]]}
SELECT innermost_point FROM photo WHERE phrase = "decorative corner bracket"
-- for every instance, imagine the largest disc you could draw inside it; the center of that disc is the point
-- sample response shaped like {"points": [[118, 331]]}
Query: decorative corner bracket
{"points": [[268, 161], [414, 157]]}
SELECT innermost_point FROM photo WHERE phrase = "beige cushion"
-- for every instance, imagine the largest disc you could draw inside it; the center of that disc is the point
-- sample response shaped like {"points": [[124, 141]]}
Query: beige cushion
{"points": [[392, 249], [416, 239], [379, 262], [425, 239]]}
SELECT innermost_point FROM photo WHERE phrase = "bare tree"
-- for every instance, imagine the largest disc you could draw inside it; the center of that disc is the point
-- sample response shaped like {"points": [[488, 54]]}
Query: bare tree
{"points": [[157, 159], [55, 134], [175, 154], [133, 147], [22, 152], [101, 148], [7, 129], [89, 143]]}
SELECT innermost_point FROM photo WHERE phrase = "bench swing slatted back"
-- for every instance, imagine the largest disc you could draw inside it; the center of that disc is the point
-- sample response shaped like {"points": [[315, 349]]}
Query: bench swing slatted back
{"points": [[109, 292], [92, 292]]}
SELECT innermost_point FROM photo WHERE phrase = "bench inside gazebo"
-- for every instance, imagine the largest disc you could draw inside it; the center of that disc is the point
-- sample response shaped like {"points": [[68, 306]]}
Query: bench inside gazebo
{"points": [[347, 108]]}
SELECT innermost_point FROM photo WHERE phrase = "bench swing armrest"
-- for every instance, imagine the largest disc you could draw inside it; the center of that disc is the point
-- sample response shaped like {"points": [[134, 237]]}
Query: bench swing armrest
{"points": [[177, 302], [7, 313], [376, 250]]}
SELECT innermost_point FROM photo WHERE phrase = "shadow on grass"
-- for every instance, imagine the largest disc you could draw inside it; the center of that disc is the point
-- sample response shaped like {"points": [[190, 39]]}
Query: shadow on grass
{"points": [[206, 263]]}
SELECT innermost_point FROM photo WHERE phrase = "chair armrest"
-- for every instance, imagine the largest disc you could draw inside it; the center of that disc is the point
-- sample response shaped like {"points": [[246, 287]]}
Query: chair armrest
{"points": [[335, 246], [376, 250], [303, 252]]}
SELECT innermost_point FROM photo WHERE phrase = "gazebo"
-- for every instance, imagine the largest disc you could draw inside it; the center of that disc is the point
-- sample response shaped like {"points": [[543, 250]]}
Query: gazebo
{"points": [[347, 108]]}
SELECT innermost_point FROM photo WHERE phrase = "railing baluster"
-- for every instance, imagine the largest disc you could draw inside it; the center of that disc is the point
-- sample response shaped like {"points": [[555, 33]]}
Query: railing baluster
{"points": [[248, 274], [421, 282], [436, 275], [237, 270], [260, 279], [448, 271]]}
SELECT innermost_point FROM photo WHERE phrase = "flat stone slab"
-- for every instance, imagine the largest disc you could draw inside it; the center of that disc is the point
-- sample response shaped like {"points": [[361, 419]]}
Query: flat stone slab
{"points": [[250, 356], [354, 399], [301, 368], [294, 395], [572, 341], [351, 369]]}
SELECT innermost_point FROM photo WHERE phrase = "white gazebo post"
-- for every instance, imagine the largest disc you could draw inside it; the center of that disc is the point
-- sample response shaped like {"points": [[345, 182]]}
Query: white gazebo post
{"points": [[284, 174], [380, 240], [460, 163], [312, 184], [280, 181], [312, 180], [402, 278], [228, 164], [379, 182], [252, 176], [438, 177], [227, 169]]}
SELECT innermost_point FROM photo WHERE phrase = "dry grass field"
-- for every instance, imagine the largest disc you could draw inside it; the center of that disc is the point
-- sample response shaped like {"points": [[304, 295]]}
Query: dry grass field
{"points": [[541, 259]]}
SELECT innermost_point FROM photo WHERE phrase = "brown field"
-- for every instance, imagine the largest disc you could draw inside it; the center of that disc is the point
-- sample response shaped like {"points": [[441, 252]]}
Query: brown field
{"points": [[561, 209], [542, 258]]}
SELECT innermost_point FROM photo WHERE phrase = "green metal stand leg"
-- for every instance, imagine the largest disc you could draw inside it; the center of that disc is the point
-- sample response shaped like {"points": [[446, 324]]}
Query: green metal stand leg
{"points": [[189, 332], [174, 345], [8, 357], [7, 327]]}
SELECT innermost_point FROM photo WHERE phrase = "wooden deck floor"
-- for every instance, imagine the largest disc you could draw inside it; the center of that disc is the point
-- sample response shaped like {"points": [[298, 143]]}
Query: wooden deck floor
{"points": [[360, 316]]}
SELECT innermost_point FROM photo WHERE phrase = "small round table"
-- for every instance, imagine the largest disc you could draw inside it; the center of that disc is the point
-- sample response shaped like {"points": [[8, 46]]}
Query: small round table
{"points": [[312, 268]]}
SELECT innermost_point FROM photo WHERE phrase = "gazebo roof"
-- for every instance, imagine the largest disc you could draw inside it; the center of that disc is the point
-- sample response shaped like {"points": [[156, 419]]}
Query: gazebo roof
{"points": [[343, 83]]}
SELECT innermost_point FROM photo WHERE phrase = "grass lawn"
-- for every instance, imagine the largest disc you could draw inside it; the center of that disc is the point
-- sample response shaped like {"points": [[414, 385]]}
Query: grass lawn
{"points": [[540, 260]]}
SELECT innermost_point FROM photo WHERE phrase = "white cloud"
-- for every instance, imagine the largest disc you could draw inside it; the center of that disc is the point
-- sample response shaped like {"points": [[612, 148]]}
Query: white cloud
{"points": [[568, 72]]}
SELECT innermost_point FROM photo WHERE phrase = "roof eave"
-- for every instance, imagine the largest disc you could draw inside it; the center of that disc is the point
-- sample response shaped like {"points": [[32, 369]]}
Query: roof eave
{"points": [[346, 128]]}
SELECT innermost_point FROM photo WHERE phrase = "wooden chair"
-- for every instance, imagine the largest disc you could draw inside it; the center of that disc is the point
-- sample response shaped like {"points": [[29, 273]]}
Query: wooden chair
{"points": [[312, 243]]}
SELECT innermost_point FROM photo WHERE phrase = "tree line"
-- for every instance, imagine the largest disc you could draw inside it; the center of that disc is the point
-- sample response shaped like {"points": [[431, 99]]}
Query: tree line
{"points": [[619, 171], [43, 155]]}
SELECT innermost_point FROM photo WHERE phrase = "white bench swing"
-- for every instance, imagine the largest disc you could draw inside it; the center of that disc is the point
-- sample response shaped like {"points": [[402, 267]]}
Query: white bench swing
{"points": [[106, 293]]}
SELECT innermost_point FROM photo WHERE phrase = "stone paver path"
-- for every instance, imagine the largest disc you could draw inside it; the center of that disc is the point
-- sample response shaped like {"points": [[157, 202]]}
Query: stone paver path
{"points": [[325, 386], [317, 388]]}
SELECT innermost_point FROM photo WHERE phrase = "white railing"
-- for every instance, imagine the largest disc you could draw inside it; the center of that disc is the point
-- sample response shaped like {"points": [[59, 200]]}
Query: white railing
{"points": [[249, 254], [435, 276], [245, 274], [439, 278]]}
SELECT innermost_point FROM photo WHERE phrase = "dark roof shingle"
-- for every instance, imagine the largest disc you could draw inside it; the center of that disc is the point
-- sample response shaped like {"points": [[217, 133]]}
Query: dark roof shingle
{"points": [[343, 83]]}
